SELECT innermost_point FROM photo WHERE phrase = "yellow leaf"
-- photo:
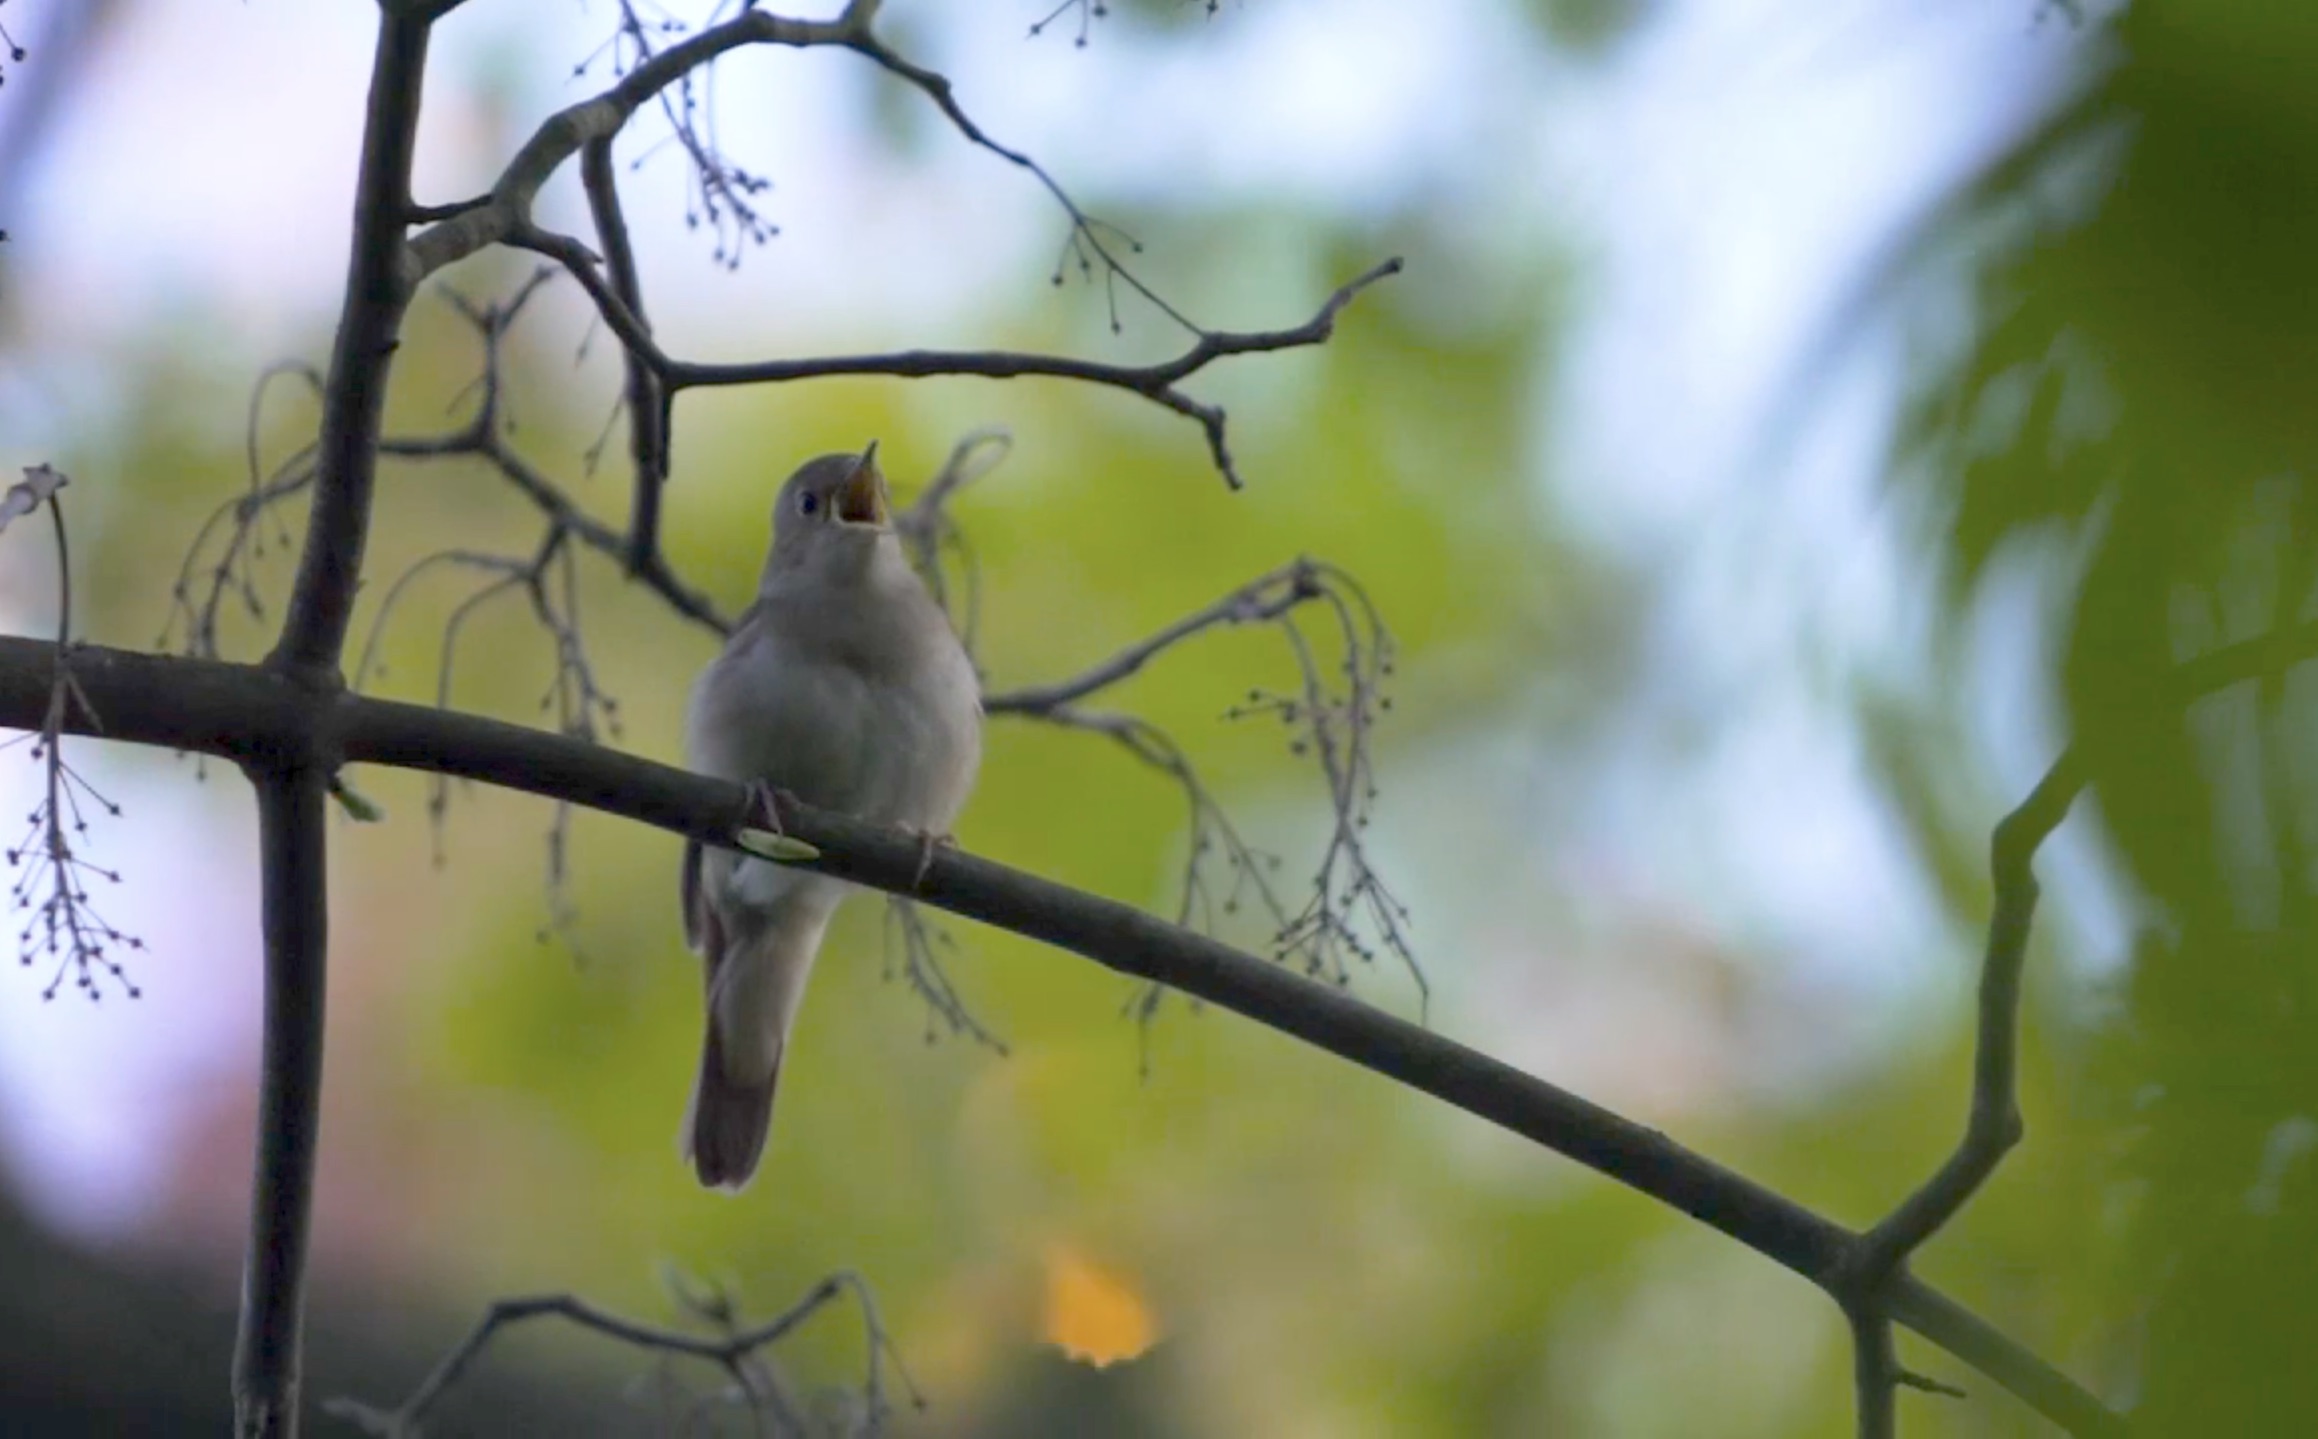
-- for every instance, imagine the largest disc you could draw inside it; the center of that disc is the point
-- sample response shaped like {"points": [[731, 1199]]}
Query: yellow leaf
{"points": [[1094, 1314]]}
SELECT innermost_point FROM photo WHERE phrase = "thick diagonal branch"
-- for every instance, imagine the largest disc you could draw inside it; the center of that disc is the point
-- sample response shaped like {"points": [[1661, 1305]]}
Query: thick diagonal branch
{"points": [[244, 712]]}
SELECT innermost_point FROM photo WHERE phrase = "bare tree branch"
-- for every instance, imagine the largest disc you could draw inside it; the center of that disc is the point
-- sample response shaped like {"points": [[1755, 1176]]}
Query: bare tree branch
{"points": [[199, 594], [1874, 1373], [1331, 713], [647, 402], [354, 398], [930, 532], [1267, 597], [266, 1369], [61, 922], [721, 193], [1159, 382], [1086, 241], [292, 781], [473, 225], [242, 712], [913, 952], [1994, 1126], [494, 449], [504, 217], [1090, 11], [732, 1351]]}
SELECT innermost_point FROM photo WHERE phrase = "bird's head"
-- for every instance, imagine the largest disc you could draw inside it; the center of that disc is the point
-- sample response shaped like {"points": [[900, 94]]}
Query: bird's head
{"points": [[832, 512]]}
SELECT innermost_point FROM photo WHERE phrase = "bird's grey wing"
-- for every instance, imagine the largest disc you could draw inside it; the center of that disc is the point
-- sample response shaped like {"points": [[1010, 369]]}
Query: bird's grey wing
{"points": [[688, 894]]}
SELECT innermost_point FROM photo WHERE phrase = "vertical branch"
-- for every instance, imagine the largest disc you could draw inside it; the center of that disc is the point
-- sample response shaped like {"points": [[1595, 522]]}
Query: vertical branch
{"points": [[354, 397], [296, 924], [1874, 1373], [647, 399], [291, 787]]}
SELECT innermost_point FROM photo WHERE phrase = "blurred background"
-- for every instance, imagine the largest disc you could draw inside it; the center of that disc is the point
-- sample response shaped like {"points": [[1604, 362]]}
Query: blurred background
{"points": [[1795, 425]]}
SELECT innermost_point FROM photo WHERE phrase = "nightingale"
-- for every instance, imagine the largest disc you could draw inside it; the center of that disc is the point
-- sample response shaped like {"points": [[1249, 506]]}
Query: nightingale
{"points": [[844, 685]]}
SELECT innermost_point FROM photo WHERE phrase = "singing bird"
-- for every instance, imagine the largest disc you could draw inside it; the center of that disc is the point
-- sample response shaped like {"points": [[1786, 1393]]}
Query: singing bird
{"points": [[844, 685]]}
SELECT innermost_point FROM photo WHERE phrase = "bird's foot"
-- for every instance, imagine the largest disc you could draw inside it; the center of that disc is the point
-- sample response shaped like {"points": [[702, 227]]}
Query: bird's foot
{"points": [[765, 807], [769, 840], [928, 841]]}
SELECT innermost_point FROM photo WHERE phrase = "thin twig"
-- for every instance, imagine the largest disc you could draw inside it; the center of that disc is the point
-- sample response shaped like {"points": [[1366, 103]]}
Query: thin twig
{"points": [[1994, 1125], [930, 531], [1159, 382], [62, 922], [1086, 240], [648, 428], [914, 948], [489, 220], [1330, 714], [1267, 597]]}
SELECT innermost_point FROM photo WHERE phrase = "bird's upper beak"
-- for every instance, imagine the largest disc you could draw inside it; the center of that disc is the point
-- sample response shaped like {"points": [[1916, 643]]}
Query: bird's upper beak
{"points": [[861, 500]]}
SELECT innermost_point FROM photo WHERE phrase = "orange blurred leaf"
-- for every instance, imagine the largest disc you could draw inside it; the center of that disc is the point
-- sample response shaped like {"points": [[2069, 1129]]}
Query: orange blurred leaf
{"points": [[1094, 1313]]}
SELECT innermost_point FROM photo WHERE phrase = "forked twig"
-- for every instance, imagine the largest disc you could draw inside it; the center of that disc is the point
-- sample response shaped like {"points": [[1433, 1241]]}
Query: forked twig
{"points": [[1331, 713], [914, 950], [733, 1349], [1994, 1125], [50, 889]]}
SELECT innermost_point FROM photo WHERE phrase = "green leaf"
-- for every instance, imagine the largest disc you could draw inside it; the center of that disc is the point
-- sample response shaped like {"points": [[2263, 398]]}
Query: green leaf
{"points": [[358, 806], [779, 848]]}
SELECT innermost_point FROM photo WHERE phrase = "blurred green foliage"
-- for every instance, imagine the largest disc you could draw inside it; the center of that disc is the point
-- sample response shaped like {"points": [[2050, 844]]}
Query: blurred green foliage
{"points": [[2141, 389]]}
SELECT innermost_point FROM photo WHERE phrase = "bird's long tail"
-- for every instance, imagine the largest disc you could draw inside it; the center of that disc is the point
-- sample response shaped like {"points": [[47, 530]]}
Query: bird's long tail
{"points": [[726, 1125], [755, 986]]}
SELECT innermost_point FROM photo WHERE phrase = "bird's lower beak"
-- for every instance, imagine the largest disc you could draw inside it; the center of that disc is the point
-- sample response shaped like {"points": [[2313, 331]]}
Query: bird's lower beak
{"points": [[862, 499]]}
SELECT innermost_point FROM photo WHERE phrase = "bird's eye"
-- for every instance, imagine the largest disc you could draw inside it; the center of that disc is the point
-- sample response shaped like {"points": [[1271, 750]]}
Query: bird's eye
{"points": [[807, 502]]}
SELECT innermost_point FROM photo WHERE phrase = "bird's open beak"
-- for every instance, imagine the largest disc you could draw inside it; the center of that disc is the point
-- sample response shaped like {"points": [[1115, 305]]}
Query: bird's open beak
{"points": [[862, 499]]}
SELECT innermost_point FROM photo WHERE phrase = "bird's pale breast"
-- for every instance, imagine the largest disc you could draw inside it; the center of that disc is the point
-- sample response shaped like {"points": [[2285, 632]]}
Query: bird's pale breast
{"points": [[872, 709]]}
